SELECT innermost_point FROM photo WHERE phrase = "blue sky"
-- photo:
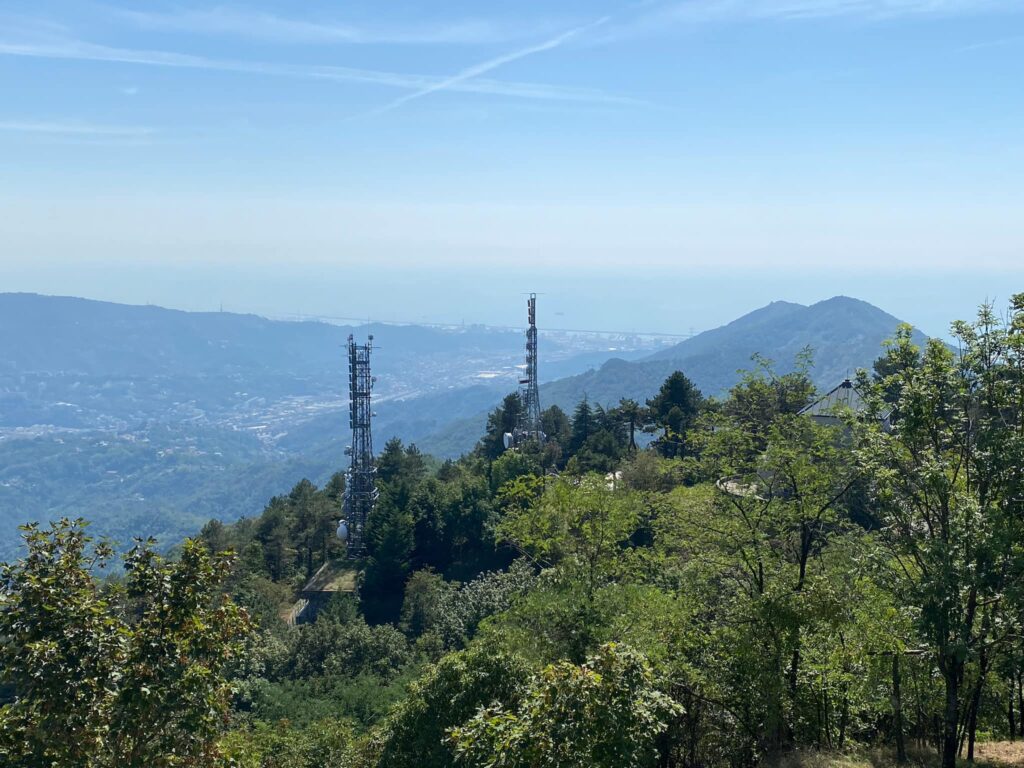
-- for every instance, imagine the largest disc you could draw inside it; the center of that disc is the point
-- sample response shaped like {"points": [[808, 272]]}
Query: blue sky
{"points": [[661, 165]]}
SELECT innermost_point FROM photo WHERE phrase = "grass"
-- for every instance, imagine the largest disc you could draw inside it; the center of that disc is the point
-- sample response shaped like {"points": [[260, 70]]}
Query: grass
{"points": [[332, 578], [992, 754], [1000, 753]]}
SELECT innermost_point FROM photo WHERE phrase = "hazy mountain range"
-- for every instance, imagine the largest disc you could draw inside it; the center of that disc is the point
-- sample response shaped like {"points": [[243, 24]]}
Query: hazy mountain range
{"points": [[151, 421], [843, 334]]}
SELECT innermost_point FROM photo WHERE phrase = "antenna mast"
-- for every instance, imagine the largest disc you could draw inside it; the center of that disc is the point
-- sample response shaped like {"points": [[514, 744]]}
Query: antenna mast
{"points": [[360, 489], [529, 418]]}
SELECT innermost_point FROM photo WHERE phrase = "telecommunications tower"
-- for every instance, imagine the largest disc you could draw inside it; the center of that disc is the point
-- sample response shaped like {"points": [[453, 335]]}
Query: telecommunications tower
{"points": [[360, 489], [528, 429]]}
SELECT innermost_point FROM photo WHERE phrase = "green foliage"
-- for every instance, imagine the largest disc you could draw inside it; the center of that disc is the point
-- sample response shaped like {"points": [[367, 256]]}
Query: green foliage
{"points": [[501, 420], [606, 713], [456, 611], [283, 745], [389, 547], [648, 471], [762, 395], [582, 528], [947, 478], [362, 700], [427, 598], [413, 735], [674, 409], [785, 585], [583, 521], [511, 465], [131, 674], [346, 650]]}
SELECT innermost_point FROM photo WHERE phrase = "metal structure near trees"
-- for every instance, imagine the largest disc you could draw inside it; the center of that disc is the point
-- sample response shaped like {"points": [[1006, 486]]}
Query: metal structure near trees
{"points": [[528, 428], [360, 486]]}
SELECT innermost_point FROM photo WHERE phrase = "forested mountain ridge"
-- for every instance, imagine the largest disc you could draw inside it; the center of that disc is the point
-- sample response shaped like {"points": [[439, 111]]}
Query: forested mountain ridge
{"points": [[152, 416], [843, 335], [581, 602]]}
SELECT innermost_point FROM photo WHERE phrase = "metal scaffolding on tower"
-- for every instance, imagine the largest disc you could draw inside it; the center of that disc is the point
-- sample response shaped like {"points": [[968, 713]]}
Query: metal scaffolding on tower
{"points": [[529, 428], [360, 488]]}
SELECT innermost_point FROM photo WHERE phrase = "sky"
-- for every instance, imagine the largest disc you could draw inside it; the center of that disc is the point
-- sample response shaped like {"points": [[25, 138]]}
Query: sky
{"points": [[657, 166]]}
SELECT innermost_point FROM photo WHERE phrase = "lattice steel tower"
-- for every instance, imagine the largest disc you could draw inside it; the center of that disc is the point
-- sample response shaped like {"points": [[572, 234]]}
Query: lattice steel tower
{"points": [[360, 489], [529, 418]]}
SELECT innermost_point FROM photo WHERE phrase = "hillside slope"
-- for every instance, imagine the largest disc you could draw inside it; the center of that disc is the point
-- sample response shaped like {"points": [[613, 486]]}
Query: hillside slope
{"points": [[844, 334], [150, 420]]}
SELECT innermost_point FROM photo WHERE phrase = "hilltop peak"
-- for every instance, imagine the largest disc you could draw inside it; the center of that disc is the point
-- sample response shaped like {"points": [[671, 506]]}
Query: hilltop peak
{"points": [[844, 332]]}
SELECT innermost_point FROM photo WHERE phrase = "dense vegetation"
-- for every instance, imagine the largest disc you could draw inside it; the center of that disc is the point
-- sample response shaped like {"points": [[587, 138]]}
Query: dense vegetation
{"points": [[150, 421], [752, 582]]}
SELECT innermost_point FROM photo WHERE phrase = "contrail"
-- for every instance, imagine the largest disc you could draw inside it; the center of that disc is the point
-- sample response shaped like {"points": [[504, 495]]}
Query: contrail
{"points": [[418, 84], [484, 67]]}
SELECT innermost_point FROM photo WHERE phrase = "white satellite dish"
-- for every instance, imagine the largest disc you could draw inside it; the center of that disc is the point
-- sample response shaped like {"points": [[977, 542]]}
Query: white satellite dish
{"points": [[343, 530]]}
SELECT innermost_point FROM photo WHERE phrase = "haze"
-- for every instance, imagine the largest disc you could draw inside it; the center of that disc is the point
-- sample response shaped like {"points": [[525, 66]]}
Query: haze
{"points": [[650, 166]]}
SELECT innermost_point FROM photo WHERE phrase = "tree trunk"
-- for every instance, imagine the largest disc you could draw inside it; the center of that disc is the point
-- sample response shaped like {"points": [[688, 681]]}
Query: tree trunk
{"points": [[951, 716], [972, 719], [844, 718], [897, 710], [1020, 704], [972, 729], [692, 756], [823, 736], [1009, 715]]}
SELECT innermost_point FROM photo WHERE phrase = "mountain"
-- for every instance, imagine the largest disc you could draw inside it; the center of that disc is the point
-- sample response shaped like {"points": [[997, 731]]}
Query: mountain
{"points": [[844, 334], [150, 420]]}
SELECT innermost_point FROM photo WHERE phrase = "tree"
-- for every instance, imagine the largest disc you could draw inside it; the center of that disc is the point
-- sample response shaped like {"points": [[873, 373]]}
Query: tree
{"points": [[427, 595], [124, 675], [501, 420], [774, 519], [583, 529], [389, 546], [400, 470], [275, 538], [674, 409], [584, 523], [634, 414], [555, 425], [582, 425], [947, 478], [427, 510], [391, 461], [282, 745], [307, 521], [511, 465], [606, 713], [413, 733], [762, 395]]}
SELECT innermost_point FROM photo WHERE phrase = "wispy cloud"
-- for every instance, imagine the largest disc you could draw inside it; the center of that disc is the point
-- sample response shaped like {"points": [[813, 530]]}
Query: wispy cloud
{"points": [[712, 10], [259, 25], [999, 43], [75, 129], [661, 16], [469, 74], [468, 83]]}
